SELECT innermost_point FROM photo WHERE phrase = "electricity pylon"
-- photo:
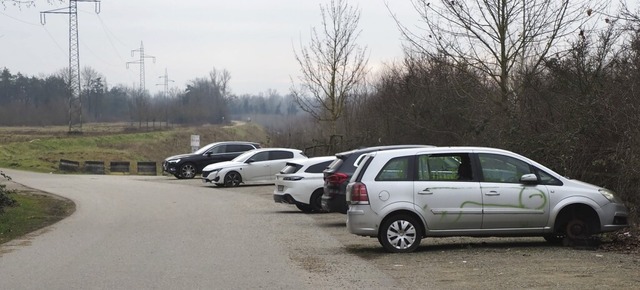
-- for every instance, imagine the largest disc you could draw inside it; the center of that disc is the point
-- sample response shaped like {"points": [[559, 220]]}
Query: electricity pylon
{"points": [[141, 63], [165, 82], [75, 100]]}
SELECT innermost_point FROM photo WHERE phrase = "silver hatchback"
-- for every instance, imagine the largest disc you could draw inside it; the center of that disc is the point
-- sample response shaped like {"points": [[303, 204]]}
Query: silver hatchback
{"points": [[401, 196]]}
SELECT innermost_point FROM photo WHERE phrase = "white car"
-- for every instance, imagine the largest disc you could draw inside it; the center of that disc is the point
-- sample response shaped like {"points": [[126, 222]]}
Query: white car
{"points": [[301, 183], [254, 166]]}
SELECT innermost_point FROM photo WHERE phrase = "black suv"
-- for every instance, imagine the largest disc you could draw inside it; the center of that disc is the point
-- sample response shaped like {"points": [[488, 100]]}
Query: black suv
{"points": [[186, 166], [338, 173]]}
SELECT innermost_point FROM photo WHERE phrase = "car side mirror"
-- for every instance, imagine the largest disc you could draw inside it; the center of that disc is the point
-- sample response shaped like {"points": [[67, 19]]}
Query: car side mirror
{"points": [[529, 179], [249, 161]]}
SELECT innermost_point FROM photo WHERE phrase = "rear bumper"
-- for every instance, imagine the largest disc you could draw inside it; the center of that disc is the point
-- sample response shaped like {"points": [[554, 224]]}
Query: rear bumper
{"points": [[283, 198], [336, 203], [361, 221]]}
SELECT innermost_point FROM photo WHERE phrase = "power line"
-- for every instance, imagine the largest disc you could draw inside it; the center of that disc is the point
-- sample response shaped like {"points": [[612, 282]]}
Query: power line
{"points": [[75, 101]]}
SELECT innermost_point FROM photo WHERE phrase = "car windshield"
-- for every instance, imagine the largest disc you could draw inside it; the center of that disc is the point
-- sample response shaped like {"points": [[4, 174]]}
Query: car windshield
{"points": [[204, 149]]}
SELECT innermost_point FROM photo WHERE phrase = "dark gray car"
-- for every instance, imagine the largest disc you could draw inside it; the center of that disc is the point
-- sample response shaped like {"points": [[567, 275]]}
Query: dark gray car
{"points": [[187, 166], [338, 173]]}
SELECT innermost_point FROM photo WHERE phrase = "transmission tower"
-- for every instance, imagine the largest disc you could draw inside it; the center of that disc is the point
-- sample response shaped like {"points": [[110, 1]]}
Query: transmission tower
{"points": [[75, 101], [141, 63], [165, 82]]}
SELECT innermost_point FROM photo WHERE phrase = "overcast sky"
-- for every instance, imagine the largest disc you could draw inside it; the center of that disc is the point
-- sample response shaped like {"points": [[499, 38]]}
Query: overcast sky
{"points": [[252, 39]]}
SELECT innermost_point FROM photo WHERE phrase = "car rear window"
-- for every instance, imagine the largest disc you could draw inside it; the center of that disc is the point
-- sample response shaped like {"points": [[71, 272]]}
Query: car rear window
{"points": [[397, 169], [335, 165], [290, 168], [318, 168]]}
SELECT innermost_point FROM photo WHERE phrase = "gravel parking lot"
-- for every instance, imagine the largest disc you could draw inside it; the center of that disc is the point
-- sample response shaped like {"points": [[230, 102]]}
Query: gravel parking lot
{"points": [[468, 263]]}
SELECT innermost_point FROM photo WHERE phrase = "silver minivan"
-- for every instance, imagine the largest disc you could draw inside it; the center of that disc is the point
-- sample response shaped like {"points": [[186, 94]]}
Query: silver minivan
{"points": [[401, 196]]}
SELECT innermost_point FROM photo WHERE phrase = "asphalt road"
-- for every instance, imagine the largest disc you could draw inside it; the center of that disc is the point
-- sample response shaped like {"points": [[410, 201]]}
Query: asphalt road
{"points": [[137, 232]]}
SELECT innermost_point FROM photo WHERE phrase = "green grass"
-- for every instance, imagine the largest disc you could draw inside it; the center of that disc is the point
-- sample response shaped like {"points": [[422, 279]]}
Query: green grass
{"points": [[33, 212], [40, 149]]}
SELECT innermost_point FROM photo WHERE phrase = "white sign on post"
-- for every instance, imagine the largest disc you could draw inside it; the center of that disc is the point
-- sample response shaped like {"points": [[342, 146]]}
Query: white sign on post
{"points": [[195, 142]]}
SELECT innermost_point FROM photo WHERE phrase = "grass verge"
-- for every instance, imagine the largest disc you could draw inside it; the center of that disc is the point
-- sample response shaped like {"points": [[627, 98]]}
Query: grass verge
{"points": [[33, 212], [40, 149]]}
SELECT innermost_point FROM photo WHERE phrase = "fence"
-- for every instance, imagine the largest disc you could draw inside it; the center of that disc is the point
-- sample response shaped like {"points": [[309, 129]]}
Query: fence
{"points": [[98, 167]]}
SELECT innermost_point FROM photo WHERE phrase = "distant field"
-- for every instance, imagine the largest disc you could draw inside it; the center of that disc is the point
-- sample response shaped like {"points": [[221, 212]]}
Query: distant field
{"points": [[41, 148]]}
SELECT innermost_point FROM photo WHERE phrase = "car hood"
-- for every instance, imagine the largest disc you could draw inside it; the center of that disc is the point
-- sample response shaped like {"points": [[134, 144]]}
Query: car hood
{"points": [[585, 185], [224, 164], [179, 156]]}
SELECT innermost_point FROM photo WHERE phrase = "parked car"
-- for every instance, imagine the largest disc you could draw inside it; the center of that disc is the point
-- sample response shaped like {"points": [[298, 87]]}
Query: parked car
{"points": [[187, 166], [255, 166], [401, 196], [301, 182], [337, 175]]}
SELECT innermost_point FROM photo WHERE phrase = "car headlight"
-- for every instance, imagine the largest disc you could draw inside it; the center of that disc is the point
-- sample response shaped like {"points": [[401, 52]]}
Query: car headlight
{"points": [[608, 194], [173, 160], [207, 173]]}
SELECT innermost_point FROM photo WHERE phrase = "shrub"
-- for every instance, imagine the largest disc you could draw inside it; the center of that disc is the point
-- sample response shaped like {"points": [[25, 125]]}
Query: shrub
{"points": [[5, 199]]}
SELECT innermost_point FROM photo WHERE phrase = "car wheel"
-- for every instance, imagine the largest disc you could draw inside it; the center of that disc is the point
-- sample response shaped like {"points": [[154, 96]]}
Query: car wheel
{"points": [[554, 238], [232, 179], [304, 207], [578, 229], [187, 171], [315, 202], [400, 234]]}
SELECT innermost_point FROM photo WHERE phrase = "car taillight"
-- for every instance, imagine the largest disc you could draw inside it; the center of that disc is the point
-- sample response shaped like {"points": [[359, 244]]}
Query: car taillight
{"points": [[337, 178], [359, 193]]}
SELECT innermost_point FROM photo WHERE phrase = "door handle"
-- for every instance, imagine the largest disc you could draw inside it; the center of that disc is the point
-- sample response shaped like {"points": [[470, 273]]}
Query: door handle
{"points": [[425, 191], [492, 193]]}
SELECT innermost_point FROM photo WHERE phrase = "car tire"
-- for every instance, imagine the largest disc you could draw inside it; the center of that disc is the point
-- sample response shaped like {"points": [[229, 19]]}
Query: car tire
{"points": [[554, 238], [305, 208], [400, 233], [232, 179], [187, 171], [578, 229], [315, 202]]}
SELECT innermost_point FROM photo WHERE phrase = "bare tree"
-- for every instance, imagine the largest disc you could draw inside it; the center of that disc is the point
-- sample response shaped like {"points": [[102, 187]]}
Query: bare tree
{"points": [[220, 80], [206, 98], [499, 37], [332, 66]]}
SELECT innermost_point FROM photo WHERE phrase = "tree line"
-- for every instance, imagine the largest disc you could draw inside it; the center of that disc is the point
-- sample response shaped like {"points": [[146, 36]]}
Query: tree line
{"points": [[44, 100]]}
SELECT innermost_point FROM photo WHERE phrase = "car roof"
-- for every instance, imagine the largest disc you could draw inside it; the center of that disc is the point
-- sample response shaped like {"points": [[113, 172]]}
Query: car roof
{"points": [[274, 149], [463, 149], [236, 142], [360, 151], [310, 161], [457, 149]]}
